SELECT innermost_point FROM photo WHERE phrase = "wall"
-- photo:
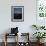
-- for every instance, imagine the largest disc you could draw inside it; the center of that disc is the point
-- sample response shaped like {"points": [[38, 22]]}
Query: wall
{"points": [[29, 15]]}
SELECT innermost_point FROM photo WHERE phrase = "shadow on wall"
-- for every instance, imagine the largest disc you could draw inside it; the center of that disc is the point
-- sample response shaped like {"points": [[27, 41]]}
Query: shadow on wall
{"points": [[7, 31]]}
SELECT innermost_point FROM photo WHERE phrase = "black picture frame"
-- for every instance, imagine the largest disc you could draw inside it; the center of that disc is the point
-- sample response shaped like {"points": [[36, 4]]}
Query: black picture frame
{"points": [[17, 13]]}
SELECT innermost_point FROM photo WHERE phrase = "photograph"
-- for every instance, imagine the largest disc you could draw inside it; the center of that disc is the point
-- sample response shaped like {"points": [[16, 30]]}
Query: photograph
{"points": [[17, 13]]}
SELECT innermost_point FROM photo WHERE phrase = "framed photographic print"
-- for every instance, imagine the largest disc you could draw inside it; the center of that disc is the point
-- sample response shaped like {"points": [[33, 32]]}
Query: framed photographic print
{"points": [[17, 13]]}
